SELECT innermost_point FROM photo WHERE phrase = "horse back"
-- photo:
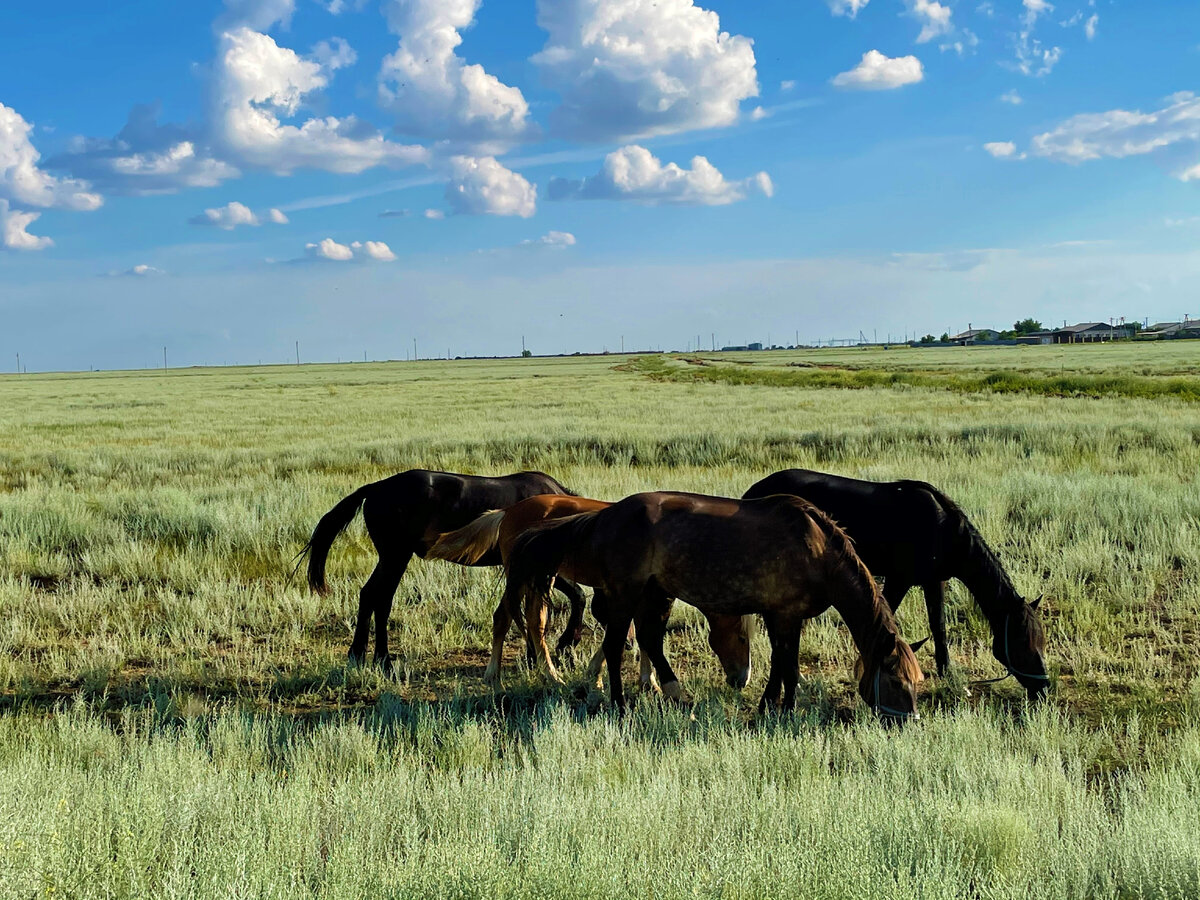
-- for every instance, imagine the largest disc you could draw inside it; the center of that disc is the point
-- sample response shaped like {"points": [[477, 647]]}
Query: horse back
{"points": [[901, 529], [414, 508]]}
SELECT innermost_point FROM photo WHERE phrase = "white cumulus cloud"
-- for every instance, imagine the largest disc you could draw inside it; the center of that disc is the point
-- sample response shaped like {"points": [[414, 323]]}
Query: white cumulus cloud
{"points": [[145, 157], [848, 8], [1011, 97], [23, 181], [876, 72], [555, 239], [634, 173], [1003, 150], [329, 249], [139, 271], [434, 214], [257, 81], [1119, 133], [627, 69], [375, 250], [933, 16], [233, 214], [1089, 27], [432, 92], [481, 185], [13, 235]]}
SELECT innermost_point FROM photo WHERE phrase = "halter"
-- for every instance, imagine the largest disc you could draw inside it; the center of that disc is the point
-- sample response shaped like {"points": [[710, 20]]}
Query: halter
{"points": [[1012, 670], [879, 707]]}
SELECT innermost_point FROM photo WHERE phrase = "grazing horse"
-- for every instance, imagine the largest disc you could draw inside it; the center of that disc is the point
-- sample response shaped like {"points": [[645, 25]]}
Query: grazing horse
{"points": [[779, 557], [910, 533], [498, 530], [404, 515]]}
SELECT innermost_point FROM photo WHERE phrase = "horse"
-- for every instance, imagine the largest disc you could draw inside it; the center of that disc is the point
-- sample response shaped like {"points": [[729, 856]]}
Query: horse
{"points": [[778, 557], [910, 533], [728, 636], [404, 515]]}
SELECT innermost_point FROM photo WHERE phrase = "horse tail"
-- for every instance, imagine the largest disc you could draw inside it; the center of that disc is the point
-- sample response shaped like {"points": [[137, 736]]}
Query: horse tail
{"points": [[539, 551], [331, 525], [468, 544]]}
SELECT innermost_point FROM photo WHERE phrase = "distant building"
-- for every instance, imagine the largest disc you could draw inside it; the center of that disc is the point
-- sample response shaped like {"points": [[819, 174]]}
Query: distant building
{"points": [[1036, 337], [755, 345], [974, 335], [1189, 328], [1093, 332], [732, 347]]}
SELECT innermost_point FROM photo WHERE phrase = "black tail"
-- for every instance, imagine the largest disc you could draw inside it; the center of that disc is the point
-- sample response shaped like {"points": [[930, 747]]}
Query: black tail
{"points": [[331, 525], [538, 552]]}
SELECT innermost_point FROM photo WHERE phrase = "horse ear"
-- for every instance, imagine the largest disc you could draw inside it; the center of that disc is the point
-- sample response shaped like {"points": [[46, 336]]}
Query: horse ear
{"points": [[917, 646], [1034, 604]]}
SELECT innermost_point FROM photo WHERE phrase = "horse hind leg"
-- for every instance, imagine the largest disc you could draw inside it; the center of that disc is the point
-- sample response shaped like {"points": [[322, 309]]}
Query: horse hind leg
{"points": [[536, 609], [501, 621], [375, 599]]}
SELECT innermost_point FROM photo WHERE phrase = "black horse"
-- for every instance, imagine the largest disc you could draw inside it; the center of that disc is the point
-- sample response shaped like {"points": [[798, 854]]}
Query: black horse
{"points": [[405, 515], [909, 533]]}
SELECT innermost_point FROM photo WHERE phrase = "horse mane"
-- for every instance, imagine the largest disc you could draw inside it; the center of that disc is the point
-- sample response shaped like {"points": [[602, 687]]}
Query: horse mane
{"points": [[970, 543], [842, 559]]}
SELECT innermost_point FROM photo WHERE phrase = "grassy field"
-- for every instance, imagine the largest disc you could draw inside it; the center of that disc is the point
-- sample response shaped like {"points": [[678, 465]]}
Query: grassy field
{"points": [[176, 716]]}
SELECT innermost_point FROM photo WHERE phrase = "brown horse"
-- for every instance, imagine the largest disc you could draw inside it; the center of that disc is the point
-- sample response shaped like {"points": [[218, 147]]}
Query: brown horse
{"points": [[779, 557], [404, 515], [499, 529]]}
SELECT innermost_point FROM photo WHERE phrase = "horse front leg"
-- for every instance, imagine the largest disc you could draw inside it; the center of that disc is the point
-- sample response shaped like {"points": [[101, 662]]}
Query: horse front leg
{"points": [[770, 697], [614, 650], [573, 632], [651, 635], [935, 604]]}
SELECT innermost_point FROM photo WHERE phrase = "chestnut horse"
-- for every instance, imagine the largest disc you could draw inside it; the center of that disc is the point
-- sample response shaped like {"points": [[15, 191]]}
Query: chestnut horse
{"points": [[779, 557], [910, 533], [404, 515], [728, 636]]}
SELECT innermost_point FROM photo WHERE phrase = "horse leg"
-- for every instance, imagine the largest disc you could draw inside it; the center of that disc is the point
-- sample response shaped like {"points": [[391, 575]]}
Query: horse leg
{"points": [[535, 630], [770, 696], [790, 664], [573, 633], [651, 633], [614, 649], [378, 595], [935, 603], [501, 621]]}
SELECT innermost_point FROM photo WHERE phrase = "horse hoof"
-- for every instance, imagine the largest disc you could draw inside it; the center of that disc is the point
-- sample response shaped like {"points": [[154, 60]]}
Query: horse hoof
{"points": [[384, 663], [675, 691]]}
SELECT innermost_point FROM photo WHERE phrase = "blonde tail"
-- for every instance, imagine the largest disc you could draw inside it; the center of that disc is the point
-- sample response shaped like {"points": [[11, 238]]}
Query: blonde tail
{"points": [[468, 544]]}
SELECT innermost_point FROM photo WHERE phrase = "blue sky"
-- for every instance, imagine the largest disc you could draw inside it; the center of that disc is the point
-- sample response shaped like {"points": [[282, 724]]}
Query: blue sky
{"points": [[228, 178]]}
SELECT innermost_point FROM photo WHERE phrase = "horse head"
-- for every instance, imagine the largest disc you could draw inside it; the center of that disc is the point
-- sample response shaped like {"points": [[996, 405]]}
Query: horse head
{"points": [[888, 682], [1019, 644], [729, 637]]}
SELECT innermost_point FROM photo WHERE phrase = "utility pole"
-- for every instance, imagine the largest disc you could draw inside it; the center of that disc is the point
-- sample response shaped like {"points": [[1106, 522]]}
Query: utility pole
{"points": [[622, 343], [522, 345], [164, 358], [414, 349], [18, 363], [714, 340], [297, 353]]}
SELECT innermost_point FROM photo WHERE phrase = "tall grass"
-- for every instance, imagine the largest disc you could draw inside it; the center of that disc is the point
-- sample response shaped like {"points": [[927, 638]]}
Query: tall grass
{"points": [[159, 673]]}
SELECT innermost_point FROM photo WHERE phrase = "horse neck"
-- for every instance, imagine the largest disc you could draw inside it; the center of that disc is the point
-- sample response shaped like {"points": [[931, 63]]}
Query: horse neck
{"points": [[863, 609], [987, 581]]}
